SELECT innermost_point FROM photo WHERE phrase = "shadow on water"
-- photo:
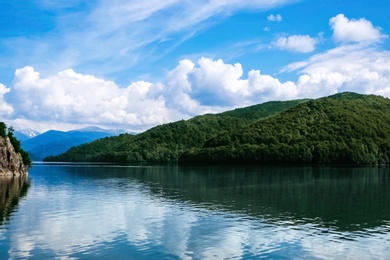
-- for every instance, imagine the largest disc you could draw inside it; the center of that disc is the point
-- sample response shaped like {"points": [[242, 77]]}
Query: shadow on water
{"points": [[12, 189], [346, 199]]}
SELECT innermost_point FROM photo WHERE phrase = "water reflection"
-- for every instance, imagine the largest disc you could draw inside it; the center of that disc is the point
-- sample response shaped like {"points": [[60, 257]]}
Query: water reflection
{"points": [[330, 196], [111, 212], [11, 190]]}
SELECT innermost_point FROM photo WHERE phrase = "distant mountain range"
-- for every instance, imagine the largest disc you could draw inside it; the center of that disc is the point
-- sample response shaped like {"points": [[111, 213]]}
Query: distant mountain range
{"points": [[55, 142], [25, 134]]}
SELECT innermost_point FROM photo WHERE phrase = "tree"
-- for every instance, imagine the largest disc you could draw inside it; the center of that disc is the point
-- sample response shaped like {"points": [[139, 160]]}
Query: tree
{"points": [[4, 132], [3, 129]]}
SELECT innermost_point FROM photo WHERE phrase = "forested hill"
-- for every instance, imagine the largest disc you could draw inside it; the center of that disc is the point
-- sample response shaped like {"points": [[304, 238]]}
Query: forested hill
{"points": [[346, 128], [167, 142]]}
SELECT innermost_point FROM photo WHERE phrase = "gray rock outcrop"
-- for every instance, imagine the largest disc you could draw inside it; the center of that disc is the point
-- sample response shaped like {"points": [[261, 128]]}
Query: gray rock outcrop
{"points": [[11, 163]]}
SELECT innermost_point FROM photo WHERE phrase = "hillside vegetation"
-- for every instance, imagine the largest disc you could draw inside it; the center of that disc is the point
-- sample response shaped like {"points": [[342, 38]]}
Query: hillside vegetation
{"points": [[346, 128], [165, 143]]}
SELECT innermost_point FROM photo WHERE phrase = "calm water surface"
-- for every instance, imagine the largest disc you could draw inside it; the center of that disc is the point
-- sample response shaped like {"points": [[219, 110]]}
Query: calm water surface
{"points": [[116, 212]]}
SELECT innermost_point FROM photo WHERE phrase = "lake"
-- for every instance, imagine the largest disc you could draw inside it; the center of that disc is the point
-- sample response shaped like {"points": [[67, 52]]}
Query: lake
{"points": [[84, 211]]}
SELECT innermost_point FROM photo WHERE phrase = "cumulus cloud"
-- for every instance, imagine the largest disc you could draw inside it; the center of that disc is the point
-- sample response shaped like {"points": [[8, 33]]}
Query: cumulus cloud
{"points": [[275, 18], [297, 43], [215, 84], [5, 109], [352, 30], [83, 99], [346, 68], [190, 89]]}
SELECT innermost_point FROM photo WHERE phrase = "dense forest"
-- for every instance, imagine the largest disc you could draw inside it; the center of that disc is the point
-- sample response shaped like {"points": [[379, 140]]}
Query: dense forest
{"points": [[9, 132], [165, 143], [346, 128]]}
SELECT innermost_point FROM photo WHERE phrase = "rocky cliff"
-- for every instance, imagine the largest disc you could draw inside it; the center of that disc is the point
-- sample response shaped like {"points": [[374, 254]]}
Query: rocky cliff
{"points": [[11, 163]]}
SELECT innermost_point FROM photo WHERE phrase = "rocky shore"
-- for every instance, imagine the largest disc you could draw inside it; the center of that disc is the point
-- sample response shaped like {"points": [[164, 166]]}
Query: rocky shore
{"points": [[11, 163]]}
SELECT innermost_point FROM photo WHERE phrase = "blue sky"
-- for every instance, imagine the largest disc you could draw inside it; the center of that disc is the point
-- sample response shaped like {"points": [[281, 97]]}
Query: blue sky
{"points": [[136, 64]]}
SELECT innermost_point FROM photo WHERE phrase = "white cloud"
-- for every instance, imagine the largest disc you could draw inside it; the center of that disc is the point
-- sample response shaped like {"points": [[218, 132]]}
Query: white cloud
{"points": [[69, 99], [355, 68], [215, 85], [351, 30], [83, 99], [113, 37], [116, 35], [275, 18], [297, 43], [5, 109]]}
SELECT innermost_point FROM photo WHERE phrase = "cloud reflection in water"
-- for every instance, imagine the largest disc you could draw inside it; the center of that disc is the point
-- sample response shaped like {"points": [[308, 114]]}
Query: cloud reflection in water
{"points": [[156, 212]]}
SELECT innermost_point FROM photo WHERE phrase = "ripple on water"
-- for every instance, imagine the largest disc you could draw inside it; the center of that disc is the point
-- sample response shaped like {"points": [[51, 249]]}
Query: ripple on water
{"points": [[80, 214]]}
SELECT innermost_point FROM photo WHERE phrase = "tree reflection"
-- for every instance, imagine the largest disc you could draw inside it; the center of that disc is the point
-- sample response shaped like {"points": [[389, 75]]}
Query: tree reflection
{"points": [[346, 199], [11, 190]]}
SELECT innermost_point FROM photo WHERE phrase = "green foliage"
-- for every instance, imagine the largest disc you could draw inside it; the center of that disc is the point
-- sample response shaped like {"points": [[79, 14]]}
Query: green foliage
{"points": [[346, 128], [15, 142], [263, 110], [4, 132], [3, 129], [165, 143], [25, 157]]}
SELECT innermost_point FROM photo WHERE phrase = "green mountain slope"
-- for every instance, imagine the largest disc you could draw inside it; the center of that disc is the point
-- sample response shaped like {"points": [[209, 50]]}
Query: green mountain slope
{"points": [[346, 128], [165, 143]]}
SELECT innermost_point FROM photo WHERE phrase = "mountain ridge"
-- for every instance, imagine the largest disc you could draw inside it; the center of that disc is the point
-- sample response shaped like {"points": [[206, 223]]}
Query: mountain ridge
{"points": [[345, 128], [164, 143], [24, 134], [54, 142]]}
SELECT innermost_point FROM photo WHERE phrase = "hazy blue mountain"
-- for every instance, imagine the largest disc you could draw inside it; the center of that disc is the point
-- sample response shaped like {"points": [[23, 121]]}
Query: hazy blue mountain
{"points": [[55, 142]]}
